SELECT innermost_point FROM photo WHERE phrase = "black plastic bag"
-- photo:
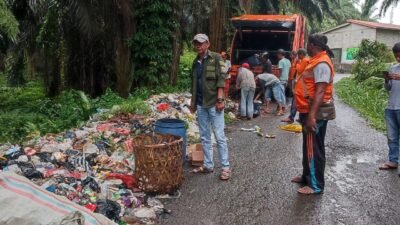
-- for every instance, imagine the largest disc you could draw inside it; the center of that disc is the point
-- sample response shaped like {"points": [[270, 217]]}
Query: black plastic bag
{"points": [[108, 208], [45, 156], [29, 170], [92, 184]]}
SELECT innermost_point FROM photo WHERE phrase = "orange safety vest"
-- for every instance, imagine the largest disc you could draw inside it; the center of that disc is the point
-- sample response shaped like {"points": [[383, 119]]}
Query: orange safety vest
{"points": [[301, 65], [308, 75]]}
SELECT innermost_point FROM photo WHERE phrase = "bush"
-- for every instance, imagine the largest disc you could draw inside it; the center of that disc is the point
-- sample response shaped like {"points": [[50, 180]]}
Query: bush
{"points": [[368, 97], [185, 65], [107, 100], [371, 57]]}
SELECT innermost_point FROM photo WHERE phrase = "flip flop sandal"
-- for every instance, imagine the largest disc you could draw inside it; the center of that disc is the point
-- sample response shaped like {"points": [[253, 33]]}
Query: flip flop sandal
{"points": [[202, 170], [388, 166], [287, 120], [306, 190], [225, 175]]}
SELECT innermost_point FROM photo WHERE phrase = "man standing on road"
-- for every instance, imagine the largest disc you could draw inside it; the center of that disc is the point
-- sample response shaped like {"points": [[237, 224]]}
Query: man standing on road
{"points": [[284, 69], [392, 112], [208, 82], [314, 87], [300, 64]]}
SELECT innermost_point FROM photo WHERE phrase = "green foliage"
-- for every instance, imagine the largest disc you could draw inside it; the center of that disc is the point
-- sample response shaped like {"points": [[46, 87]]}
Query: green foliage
{"points": [[70, 108], [13, 125], [134, 106], [8, 23], [15, 70], [108, 100], [371, 59], [25, 99], [48, 35], [152, 43], [368, 97]]}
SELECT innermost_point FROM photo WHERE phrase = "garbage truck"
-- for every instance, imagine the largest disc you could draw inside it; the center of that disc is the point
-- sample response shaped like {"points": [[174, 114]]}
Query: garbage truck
{"points": [[256, 34]]}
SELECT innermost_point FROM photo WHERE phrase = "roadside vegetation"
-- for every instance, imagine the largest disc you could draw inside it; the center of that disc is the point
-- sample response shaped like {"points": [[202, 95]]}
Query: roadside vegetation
{"points": [[364, 90], [26, 112]]}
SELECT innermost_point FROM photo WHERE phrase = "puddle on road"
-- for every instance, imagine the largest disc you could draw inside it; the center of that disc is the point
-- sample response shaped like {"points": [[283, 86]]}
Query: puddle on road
{"points": [[342, 172]]}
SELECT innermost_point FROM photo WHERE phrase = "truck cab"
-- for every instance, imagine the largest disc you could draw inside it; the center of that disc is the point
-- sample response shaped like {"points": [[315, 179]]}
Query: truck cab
{"points": [[255, 34]]}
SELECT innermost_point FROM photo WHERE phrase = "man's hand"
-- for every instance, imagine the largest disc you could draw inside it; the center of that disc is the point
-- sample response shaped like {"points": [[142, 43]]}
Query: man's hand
{"points": [[219, 106], [311, 124], [394, 76]]}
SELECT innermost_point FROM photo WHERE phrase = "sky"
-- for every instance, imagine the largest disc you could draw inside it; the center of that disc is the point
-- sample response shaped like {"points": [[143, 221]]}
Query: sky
{"points": [[386, 18], [396, 15]]}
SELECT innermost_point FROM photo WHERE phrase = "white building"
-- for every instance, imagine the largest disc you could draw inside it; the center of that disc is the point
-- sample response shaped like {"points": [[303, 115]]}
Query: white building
{"points": [[344, 39]]}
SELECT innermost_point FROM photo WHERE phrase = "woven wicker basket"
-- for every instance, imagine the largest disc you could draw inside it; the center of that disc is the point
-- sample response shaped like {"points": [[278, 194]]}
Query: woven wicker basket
{"points": [[158, 162]]}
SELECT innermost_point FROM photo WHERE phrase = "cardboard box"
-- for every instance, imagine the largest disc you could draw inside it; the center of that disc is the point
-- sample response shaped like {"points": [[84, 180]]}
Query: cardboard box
{"points": [[196, 151]]}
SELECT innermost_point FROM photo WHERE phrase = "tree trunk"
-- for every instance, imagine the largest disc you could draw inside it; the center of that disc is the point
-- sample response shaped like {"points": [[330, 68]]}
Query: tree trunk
{"points": [[218, 26], [176, 42], [123, 65]]}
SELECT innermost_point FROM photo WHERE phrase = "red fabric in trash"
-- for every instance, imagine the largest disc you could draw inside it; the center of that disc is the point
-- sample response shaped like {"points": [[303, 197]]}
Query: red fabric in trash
{"points": [[163, 106], [128, 180], [91, 207]]}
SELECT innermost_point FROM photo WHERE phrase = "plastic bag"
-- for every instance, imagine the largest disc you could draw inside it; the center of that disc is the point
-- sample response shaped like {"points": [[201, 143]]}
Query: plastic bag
{"points": [[108, 208]]}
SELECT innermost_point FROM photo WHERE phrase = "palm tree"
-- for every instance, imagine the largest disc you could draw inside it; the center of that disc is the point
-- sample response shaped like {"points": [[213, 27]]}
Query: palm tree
{"points": [[386, 4], [368, 9], [84, 43], [8, 23]]}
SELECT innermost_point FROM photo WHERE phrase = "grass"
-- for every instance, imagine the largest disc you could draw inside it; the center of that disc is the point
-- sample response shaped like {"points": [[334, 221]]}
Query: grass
{"points": [[368, 97]]}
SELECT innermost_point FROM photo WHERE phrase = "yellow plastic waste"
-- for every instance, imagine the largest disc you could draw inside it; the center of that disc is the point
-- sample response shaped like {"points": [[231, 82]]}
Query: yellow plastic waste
{"points": [[292, 127]]}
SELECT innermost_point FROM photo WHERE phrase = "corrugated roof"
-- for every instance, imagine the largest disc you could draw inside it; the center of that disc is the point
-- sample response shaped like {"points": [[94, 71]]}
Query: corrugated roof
{"points": [[335, 28], [375, 25]]}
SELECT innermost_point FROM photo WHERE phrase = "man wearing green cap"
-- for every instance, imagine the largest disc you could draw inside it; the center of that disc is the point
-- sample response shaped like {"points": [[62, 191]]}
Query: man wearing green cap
{"points": [[208, 82]]}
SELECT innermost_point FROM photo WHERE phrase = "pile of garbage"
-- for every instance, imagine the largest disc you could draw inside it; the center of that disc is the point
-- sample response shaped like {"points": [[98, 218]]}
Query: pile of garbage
{"points": [[177, 106], [92, 166]]}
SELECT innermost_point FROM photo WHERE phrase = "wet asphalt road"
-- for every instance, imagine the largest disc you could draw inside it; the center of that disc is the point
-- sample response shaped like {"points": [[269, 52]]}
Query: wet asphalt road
{"points": [[260, 191]]}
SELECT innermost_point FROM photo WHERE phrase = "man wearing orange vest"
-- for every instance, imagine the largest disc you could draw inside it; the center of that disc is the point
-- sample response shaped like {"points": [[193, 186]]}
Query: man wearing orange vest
{"points": [[316, 83], [298, 66]]}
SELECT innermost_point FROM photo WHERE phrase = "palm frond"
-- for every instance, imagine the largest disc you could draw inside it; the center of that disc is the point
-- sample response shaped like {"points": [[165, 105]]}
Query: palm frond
{"points": [[386, 4], [8, 23]]}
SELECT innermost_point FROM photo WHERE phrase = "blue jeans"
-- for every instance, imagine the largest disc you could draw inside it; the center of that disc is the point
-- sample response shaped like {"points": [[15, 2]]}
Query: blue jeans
{"points": [[278, 91], [246, 102], [393, 131], [293, 109], [210, 118]]}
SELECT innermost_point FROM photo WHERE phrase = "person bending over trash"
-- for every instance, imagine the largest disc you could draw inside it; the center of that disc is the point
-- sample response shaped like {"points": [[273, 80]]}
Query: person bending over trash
{"points": [[269, 83], [245, 82]]}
